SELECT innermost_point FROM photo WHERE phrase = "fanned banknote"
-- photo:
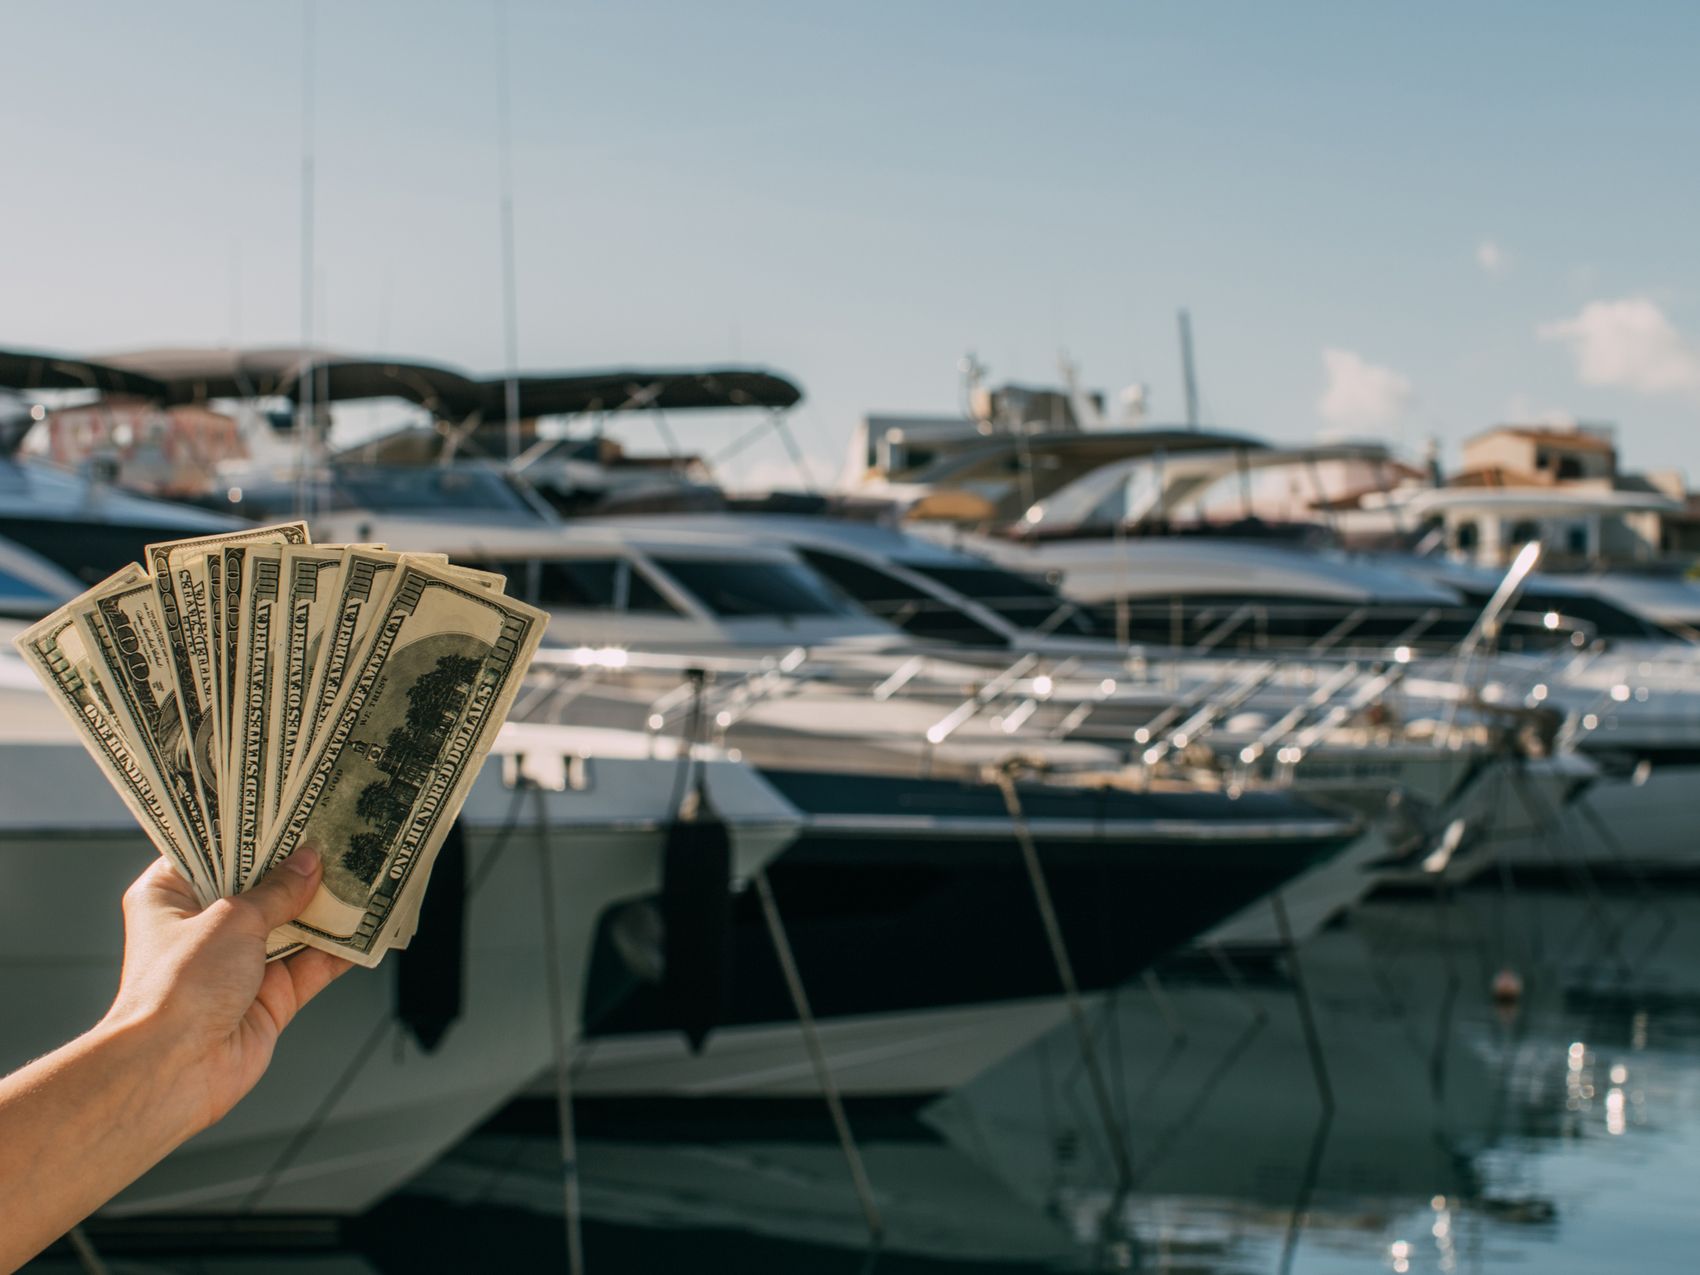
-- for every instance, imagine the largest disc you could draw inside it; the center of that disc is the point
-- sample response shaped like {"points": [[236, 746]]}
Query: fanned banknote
{"points": [[252, 693]]}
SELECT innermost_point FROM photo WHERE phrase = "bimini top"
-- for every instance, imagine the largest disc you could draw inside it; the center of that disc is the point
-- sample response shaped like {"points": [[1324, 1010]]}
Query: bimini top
{"points": [[40, 370], [635, 389], [196, 374], [191, 375]]}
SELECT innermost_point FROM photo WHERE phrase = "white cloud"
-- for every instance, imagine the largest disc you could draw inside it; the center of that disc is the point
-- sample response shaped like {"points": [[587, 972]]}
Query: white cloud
{"points": [[1628, 344], [1361, 395], [1493, 259]]}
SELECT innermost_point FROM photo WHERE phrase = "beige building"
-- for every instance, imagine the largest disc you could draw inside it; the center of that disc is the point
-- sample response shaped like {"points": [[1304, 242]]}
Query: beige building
{"points": [[1562, 486], [1539, 456]]}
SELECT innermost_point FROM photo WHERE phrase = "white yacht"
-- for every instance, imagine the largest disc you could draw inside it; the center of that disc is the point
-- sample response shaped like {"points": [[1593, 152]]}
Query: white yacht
{"points": [[354, 1102], [1091, 688]]}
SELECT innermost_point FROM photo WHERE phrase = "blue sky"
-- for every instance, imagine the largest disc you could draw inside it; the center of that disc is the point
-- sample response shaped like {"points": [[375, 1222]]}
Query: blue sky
{"points": [[1413, 220]]}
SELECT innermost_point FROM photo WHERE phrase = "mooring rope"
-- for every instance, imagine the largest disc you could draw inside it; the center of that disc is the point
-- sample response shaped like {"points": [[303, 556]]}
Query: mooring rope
{"points": [[1065, 974], [817, 1056], [558, 1040], [357, 1064]]}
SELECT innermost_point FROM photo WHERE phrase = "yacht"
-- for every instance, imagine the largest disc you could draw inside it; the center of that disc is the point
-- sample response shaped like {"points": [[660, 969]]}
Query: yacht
{"points": [[1182, 551], [387, 1071], [1091, 688], [920, 940], [80, 522], [86, 527], [902, 832], [1475, 529]]}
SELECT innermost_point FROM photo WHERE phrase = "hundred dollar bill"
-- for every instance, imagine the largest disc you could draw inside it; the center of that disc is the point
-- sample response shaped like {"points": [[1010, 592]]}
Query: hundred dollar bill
{"points": [[309, 578], [494, 581], [230, 576], [181, 580], [55, 649], [407, 922], [398, 752], [259, 615], [361, 589], [213, 565], [131, 657]]}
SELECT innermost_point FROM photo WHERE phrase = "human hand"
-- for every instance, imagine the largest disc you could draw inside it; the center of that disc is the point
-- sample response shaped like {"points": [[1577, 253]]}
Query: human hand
{"points": [[198, 978]]}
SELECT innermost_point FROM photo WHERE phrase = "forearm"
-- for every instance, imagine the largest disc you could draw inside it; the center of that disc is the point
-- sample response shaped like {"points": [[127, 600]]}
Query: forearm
{"points": [[79, 1125]]}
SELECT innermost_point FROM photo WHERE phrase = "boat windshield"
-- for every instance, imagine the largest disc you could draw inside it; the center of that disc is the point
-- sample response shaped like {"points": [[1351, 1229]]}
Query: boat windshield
{"points": [[583, 584], [900, 603], [1026, 603], [1115, 494], [435, 487], [742, 588]]}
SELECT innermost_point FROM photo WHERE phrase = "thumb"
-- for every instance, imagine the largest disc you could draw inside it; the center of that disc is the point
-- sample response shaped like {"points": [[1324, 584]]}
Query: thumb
{"points": [[286, 890]]}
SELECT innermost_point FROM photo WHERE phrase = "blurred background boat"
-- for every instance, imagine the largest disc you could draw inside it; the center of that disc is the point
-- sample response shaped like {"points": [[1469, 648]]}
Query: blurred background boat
{"points": [[1016, 720]]}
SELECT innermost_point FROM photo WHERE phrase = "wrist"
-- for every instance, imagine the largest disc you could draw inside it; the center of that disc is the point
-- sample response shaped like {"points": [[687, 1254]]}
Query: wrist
{"points": [[151, 1051]]}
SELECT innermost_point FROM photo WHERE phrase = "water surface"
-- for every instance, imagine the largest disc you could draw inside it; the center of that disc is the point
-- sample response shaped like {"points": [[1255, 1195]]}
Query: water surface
{"points": [[1430, 1128]]}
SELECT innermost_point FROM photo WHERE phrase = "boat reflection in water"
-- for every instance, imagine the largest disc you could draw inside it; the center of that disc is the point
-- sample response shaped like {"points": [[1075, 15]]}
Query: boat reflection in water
{"points": [[1463, 1133]]}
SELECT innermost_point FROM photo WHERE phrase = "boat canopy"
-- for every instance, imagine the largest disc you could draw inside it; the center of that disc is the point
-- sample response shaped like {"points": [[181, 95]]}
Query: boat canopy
{"points": [[193, 375], [40, 370], [635, 389], [189, 375], [1003, 476], [1173, 480]]}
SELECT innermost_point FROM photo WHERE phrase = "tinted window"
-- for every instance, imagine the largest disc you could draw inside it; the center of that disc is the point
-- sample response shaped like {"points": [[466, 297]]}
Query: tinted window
{"points": [[1025, 603], [583, 584], [433, 487], [910, 609], [739, 588]]}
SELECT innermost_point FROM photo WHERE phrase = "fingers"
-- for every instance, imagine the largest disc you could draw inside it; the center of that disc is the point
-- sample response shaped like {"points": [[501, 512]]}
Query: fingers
{"points": [[160, 886], [285, 892]]}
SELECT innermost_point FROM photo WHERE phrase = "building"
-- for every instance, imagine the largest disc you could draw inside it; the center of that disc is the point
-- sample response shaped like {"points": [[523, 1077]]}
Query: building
{"points": [[1560, 485], [1540, 456]]}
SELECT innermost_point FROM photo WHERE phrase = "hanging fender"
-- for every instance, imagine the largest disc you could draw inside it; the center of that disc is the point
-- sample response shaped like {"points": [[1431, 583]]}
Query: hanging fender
{"points": [[696, 918]]}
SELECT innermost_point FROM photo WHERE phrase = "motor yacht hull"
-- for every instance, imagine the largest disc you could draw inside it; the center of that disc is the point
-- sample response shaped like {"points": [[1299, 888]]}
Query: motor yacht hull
{"points": [[352, 1104], [910, 914]]}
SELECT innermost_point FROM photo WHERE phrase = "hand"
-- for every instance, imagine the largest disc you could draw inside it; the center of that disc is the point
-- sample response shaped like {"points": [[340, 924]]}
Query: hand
{"points": [[198, 978]]}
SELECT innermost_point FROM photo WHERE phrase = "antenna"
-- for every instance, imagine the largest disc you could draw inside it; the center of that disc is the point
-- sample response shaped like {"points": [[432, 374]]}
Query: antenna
{"points": [[304, 390], [233, 265], [1188, 378], [510, 314]]}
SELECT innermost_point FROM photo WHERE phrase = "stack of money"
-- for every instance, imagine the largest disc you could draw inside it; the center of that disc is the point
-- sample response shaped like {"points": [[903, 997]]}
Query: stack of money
{"points": [[251, 693]]}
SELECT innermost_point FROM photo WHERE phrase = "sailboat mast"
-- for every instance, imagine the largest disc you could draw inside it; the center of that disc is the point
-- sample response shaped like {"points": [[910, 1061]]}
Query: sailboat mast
{"points": [[510, 313], [1188, 378], [304, 379]]}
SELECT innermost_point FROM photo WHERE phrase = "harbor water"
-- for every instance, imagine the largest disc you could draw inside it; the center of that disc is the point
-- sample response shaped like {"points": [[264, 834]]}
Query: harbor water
{"points": [[1424, 1121]]}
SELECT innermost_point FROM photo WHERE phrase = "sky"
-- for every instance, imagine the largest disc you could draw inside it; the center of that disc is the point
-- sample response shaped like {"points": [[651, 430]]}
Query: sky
{"points": [[1409, 222]]}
